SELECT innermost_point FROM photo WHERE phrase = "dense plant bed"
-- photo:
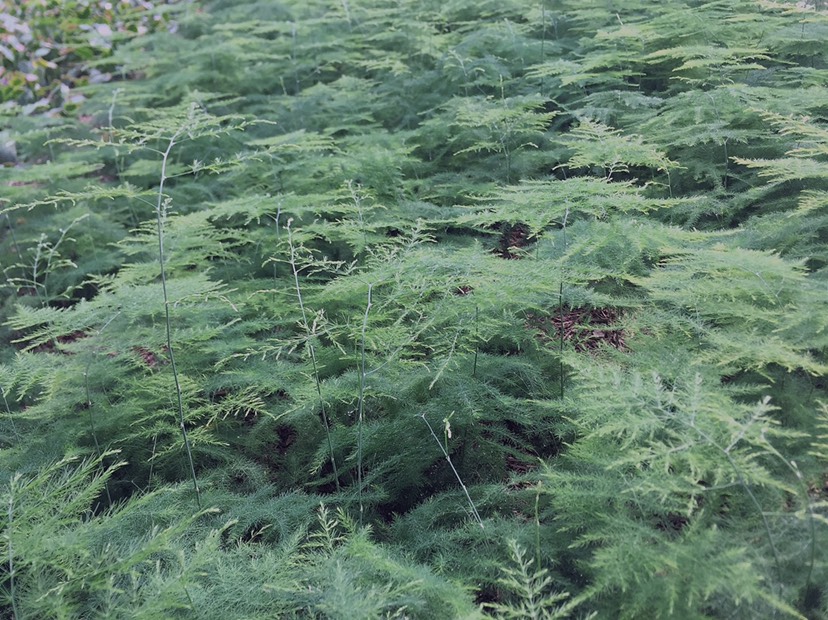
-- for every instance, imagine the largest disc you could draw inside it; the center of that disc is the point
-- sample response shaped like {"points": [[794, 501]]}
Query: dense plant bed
{"points": [[414, 309]]}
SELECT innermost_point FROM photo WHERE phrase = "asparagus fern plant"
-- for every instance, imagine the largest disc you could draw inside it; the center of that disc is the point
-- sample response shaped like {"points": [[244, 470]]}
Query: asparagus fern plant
{"points": [[362, 277]]}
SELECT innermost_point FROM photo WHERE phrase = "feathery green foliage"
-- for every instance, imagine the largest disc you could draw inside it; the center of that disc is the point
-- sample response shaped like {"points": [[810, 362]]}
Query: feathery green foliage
{"points": [[363, 276]]}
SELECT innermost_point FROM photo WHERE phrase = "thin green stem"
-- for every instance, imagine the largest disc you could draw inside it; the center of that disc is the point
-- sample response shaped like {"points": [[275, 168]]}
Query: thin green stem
{"points": [[476, 338], [190, 600], [111, 112], [14, 239], [560, 307], [35, 285], [151, 461], [311, 352], [160, 212], [537, 525], [89, 405], [543, 41], [92, 424], [362, 376], [12, 593], [743, 483], [9, 413], [474, 512], [811, 516], [53, 251], [360, 218]]}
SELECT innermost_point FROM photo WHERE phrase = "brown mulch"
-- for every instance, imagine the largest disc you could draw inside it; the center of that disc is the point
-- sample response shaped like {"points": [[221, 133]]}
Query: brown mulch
{"points": [[148, 356], [587, 329], [52, 346], [512, 237]]}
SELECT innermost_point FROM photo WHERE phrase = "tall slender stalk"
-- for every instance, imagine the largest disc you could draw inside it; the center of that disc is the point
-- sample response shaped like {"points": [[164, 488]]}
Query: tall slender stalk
{"points": [[476, 338], [560, 307], [14, 239], [347, 10], [92, 425], [543, 44], [160, 213], [50, 252], [538, 489], [9, 413], [152, 461], [111, 111], [362, 377], [190, 600], [474, 512], [12, 593], [803, 487], [740, 478], [92, 429], [311, 350], [360, 217]]}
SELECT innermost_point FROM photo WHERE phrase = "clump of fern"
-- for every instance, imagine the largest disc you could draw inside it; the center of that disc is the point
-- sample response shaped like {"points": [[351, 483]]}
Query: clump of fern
{"points": [[529, 586], [468, 186]]}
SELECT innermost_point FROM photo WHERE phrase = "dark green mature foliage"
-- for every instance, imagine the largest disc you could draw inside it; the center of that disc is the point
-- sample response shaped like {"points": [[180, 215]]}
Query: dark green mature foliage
{"points": [[438, 310]]}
